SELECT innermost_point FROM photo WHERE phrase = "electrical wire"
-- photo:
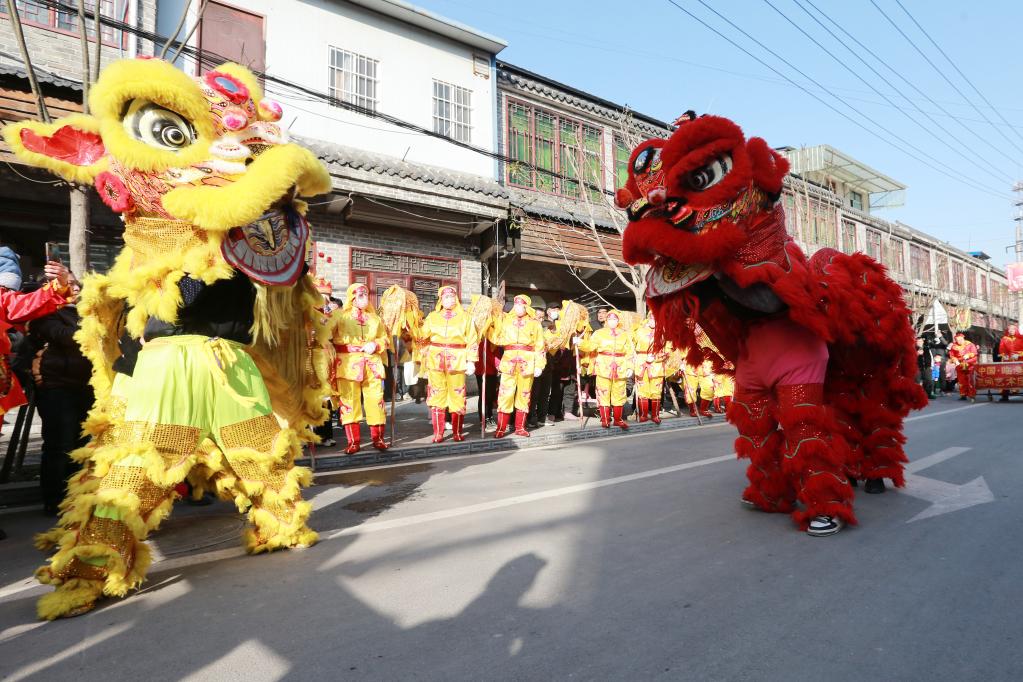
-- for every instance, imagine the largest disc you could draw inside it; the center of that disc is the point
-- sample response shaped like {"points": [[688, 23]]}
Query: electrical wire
{"points": [[945, 112], [841, 113], [942, 74], [958, 70], [987, 167]]}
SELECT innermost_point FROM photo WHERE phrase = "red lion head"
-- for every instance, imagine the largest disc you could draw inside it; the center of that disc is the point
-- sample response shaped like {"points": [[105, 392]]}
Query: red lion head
{"points": [[696, 199]]}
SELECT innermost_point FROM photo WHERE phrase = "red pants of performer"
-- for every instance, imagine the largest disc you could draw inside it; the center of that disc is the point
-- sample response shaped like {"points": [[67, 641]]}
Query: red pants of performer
{"points": [[964, 378], [780, 383]]}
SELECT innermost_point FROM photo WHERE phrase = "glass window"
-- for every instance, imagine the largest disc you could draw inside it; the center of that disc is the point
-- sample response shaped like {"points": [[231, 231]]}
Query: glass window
{"points": [[452, 111], [562, 146], [848, 236], [874, 245], [353, 79], [856, 200], [920, 263], [622, 153]]}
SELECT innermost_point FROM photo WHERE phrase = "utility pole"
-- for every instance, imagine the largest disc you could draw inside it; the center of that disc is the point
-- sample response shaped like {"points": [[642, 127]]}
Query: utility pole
{"points": [[1018, 217]]}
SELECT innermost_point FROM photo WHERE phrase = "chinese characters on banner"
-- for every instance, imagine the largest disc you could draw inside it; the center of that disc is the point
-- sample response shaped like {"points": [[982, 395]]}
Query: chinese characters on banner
{"points": [[1000, 375]]}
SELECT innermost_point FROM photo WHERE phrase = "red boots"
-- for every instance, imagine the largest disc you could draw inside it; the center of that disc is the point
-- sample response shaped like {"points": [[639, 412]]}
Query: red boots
{"points": [[643, 407], [377, 433], [618, 421], [705, 409], [456, 427], [520, 423], [655, 412], [692, 409], [352, 434], [502, 424], [437, 419], [605, 416]]}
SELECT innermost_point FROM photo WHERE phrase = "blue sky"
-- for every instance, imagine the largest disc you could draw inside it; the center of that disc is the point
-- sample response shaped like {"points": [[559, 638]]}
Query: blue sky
{"points": [[652, 56]]}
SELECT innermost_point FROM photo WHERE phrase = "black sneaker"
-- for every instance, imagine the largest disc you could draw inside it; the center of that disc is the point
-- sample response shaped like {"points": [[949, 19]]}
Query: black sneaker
{"points": [[874, 486], [821, 526]]}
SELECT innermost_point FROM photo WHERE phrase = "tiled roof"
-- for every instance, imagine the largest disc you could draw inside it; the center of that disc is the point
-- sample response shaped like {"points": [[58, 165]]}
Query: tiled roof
{"points": [[563, 210], [336, 155], [41, 76], [521, 79]]}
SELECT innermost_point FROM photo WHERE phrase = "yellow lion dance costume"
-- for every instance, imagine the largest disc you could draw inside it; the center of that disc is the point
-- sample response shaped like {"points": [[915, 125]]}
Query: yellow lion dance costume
{"points": [[204, 336]]}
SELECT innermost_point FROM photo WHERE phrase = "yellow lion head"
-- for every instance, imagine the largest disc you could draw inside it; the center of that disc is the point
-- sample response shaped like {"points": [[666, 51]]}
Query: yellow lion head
{"points": [[207, 151]]}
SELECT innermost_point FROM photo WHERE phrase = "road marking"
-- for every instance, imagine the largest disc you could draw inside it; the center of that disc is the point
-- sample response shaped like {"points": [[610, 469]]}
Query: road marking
{"points": [[938, 414], [944, 497], [517, 499]]}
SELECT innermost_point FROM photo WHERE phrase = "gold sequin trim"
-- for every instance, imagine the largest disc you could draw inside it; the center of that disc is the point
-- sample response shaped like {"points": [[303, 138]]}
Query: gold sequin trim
{"points": [[273, 477], [169, 439], [154, 237], [77, 568], [113, 534], [258, 433], [134, 480]]}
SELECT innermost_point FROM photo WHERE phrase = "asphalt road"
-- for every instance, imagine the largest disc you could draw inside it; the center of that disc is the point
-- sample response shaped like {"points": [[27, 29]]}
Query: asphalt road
{"points": [[621, 559]]}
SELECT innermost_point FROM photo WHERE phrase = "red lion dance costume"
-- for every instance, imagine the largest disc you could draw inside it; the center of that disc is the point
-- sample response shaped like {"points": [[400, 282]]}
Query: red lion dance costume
{"points": [[823, 348]]}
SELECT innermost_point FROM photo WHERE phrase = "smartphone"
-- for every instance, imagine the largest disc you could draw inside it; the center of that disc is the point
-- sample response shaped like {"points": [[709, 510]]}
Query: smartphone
{"points": [[52, 252]]}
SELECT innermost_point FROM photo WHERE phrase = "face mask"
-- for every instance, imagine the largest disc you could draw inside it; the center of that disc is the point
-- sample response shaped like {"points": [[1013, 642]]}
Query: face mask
{"points": [[553, 315], [519, 309], [361, 301], [447, 302], [612, 322]]}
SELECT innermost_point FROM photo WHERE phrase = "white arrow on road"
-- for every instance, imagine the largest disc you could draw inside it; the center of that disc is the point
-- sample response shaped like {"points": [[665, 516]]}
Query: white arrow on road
{"points": [[944, 497]]}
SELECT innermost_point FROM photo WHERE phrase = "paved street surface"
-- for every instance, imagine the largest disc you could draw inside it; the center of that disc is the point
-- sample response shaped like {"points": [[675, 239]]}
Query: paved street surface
{"points": [[627, 558]]}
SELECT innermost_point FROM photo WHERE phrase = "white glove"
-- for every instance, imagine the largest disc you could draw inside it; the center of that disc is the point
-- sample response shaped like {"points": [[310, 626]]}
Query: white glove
{"points": [[628, 373], [370, 347], [576, 340], [537, 372], [470, 368]]}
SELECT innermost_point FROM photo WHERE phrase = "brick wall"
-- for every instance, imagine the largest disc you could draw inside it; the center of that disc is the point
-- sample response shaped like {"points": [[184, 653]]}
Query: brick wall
{"points": [[334, 240], [60, 53]]}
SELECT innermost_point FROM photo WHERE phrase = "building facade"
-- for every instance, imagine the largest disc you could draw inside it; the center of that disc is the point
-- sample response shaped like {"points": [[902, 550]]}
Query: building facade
{"points": [[399, 103]]}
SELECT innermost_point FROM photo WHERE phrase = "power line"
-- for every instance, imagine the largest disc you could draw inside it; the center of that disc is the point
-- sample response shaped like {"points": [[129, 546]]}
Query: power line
{"points": [[949, 60], [841, 113], [911, 84], [942, 74], [211, 59], [987, 166]]}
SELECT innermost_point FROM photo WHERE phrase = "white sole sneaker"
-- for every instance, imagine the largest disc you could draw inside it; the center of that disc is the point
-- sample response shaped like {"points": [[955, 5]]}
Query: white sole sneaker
{"points": [[822, 526]]}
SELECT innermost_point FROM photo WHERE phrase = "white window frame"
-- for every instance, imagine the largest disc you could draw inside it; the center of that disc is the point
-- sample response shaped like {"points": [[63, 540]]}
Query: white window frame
{"points": [[358, 78], [452, 111]]}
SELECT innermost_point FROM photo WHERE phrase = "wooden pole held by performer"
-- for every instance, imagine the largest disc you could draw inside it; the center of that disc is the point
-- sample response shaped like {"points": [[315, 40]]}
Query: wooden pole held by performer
{"points": [[483, 392], [394, 388], [579, 387]]}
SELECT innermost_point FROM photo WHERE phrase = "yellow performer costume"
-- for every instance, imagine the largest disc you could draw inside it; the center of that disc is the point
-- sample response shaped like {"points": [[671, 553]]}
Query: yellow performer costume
{"points": [[649, 372], [613, 366], [724, 387], [450, 348], [360, 342], [212, 279], [522, 337]]}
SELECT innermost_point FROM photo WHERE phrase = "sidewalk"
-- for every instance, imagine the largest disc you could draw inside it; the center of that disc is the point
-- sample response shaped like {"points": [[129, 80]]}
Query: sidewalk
{"points": [[411, 440]]}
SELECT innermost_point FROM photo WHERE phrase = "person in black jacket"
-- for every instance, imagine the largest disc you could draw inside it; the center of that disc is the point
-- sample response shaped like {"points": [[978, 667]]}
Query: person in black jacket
{"points": [[63, 397]]}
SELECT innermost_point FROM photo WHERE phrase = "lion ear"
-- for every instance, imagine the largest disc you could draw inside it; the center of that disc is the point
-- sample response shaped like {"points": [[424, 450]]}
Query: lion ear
{"points": [[769, 167], [70, 147]]}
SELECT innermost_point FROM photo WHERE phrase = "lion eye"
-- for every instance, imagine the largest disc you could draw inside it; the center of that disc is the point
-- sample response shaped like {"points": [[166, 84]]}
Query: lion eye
{"points": [[707, 176], [157, 126], [643, 160]]}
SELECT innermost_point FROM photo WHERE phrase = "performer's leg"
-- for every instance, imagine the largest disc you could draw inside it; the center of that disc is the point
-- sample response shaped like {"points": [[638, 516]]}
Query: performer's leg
{"points": [[127, 486], [437, 400], [656, 391], [376, 417], [760, 442], [618, 398], [603, 389], [523, 399], [350, 412], [261, 456], [815, 456], [961, 382]]}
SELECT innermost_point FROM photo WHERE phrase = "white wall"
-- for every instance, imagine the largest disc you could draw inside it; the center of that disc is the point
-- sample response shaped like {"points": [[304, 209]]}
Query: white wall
{"points": [[299, 35]]}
